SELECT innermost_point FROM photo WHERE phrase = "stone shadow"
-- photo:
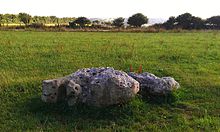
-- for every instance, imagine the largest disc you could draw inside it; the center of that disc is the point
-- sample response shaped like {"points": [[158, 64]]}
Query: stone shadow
{"points": [[78, 111], [82, 111], [160, 99]]}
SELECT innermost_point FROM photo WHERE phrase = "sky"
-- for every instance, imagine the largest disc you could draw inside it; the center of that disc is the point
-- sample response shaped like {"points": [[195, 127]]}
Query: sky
{"points": [[112, 8]]}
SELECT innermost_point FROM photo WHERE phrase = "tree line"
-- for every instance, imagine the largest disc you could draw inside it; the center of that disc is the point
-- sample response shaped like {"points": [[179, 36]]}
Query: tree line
{"points": [[24, 18], [188, 21], [135, 20], [184, 21]]}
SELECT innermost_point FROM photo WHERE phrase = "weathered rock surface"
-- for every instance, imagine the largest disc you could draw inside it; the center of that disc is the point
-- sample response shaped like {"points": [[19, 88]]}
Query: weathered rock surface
{"points": [[54, 90], [153, 85], [92, 86]]}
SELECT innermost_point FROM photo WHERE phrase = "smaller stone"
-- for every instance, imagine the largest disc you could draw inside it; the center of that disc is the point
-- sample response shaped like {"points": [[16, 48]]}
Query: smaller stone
{"points": [[153, 85], [54, 90]]}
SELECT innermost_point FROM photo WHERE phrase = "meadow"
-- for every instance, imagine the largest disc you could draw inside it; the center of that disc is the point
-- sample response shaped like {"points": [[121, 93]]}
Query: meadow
{"points": [[192, 58]]}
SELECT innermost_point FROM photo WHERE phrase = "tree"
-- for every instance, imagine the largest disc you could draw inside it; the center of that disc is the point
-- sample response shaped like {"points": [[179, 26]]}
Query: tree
{"points": [[53, 19], [43, 19], [170, 23], [184, 21], [197, 23], [81, 21], [187, 21], [36, 19], [213, 22], [12, 18], [137, 20], [25, 18], [1, 19], [7, 18], [118, 22], [96, 22]]}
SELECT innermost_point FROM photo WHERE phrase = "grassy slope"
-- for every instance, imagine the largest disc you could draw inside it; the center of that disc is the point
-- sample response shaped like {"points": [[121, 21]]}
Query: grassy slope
{"points": [[27, 58]]}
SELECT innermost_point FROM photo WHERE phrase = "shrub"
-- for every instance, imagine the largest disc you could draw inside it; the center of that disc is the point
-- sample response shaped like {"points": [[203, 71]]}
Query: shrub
{"points": [[36, 25]]}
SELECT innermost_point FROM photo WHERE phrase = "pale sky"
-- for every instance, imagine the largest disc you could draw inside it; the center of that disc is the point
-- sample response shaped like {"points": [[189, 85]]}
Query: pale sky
{"points": [[111, 8]]}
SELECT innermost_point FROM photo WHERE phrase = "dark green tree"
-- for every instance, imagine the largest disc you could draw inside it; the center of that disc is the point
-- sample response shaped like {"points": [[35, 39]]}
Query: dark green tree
{"points": [[81, 21], [170, 23], [25, 18], [187, 21], [118, 22], [197, 23], [137, 20], [213, 22], [184, 21]]}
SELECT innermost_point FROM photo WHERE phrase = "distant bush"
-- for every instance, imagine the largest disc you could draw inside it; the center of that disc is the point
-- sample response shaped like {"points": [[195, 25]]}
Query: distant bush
{"points": [[118, 22], [80, 22], [36, 25]]}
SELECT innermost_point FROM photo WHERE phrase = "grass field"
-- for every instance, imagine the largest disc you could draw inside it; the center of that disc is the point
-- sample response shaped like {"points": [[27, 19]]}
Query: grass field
{"points": [[193, 59]]}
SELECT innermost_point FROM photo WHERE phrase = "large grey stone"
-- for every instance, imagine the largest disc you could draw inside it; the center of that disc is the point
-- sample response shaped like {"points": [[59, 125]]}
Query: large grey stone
{"points": [[92, 86], [153, 85]]}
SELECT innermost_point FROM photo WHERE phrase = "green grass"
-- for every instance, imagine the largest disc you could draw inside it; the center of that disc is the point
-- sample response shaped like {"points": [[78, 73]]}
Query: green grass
{"points": [[193, 59]]}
